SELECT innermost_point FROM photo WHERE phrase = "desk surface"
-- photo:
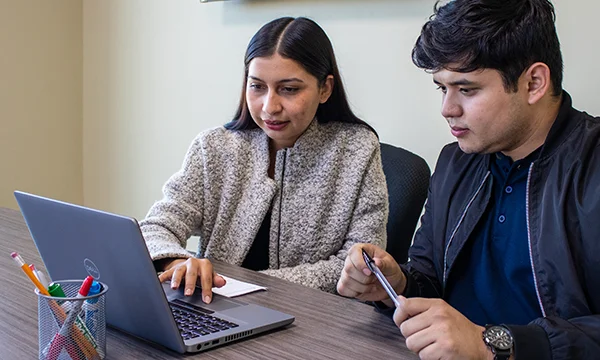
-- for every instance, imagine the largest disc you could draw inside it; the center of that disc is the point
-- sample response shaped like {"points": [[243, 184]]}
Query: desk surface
{"points": [[327, 326]]}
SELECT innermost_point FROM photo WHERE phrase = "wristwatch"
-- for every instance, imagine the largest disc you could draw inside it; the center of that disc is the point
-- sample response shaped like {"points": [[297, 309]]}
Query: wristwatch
{"points": [[499, 339]]}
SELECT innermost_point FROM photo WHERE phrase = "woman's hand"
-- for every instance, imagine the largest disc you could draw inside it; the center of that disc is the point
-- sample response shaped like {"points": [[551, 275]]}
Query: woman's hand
{"points": [[190, 270]]}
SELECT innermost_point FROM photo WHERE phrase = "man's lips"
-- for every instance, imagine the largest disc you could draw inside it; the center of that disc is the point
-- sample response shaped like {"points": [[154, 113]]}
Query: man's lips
{"points": [[458, 131]]}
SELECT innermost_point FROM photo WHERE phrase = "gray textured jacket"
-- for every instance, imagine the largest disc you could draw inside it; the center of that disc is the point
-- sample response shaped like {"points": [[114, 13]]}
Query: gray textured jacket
{"points": [[328, 193]]}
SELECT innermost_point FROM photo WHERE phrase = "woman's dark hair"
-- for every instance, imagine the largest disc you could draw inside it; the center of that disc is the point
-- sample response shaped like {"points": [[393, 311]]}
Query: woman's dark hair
{"points": [[505, 35], [302, 40]]}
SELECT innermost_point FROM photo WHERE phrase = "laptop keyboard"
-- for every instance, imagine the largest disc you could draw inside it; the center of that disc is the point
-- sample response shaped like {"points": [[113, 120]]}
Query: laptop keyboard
{"points": [[194, 321]]}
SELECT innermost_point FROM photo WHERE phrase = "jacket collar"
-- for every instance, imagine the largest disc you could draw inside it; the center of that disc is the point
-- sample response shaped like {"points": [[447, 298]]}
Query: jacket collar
{"points": [[306, 140], [563, 125], [309, 136]]}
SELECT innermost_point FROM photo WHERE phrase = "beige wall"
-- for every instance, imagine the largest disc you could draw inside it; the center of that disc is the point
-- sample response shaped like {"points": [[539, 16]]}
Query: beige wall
{"points": [[41, 57], [158, 72]]}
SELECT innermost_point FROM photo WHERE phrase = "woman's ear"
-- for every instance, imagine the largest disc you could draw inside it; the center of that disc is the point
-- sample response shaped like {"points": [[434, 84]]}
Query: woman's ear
{"points": [[326, 89]]}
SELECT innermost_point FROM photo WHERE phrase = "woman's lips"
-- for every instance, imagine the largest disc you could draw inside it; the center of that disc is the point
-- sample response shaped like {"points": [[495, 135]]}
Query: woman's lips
{"points": [[275, 125]]}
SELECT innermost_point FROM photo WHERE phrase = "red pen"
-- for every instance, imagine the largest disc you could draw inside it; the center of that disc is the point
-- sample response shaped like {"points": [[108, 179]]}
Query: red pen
{"points": [[62, 337]]}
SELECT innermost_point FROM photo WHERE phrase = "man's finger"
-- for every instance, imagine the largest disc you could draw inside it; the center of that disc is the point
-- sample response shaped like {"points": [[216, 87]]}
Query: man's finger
{"points": [[347, 284], [420, 340], [415, 306], [410, 308], [414, 325], [358, 269], [432, 351]]}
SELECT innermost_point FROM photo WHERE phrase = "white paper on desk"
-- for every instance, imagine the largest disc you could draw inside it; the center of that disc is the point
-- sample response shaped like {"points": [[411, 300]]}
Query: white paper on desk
{"points": [[235, 287]]}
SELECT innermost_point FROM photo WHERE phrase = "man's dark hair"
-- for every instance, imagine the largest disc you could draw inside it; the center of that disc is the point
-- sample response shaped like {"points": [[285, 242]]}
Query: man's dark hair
{"points": [[505, 35], [304, 41]]}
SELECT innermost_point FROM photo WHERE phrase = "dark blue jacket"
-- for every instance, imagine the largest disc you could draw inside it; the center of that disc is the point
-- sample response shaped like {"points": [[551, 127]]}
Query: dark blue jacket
{"points": [[563, 231]]}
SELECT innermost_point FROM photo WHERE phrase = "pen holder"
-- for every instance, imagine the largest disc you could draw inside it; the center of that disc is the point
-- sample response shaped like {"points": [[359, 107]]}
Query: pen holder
{"points": [[72, 327]]}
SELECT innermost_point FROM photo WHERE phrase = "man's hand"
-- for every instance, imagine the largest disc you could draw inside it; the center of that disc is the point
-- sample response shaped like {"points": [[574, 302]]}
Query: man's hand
{"points": [[435, 330], [357, 280]]}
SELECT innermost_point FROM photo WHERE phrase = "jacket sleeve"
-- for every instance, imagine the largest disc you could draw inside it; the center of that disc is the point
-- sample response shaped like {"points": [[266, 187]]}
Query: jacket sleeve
{"points": [[421, 276], [368, 224], [171, 221], [558, 339]]}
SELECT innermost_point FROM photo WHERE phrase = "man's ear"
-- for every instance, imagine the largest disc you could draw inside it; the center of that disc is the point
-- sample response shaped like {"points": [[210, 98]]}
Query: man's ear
{"points": [[538, 81], [326, 89]]}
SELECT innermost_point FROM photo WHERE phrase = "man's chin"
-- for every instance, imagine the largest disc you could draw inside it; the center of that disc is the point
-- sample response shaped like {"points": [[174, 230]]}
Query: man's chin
{"points": [[470, 148]]}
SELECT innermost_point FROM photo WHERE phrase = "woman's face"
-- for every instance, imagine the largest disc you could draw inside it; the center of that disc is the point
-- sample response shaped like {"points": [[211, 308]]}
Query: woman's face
{"points": [[283, 98]]}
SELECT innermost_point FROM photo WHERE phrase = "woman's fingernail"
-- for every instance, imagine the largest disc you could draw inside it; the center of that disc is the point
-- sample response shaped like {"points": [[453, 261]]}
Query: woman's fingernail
{"points": [[207, 299], [188, 292], [174, 285]]}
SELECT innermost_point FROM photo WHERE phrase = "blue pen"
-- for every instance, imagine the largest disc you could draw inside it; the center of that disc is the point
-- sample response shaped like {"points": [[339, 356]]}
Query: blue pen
{"points": [[379, 275]]}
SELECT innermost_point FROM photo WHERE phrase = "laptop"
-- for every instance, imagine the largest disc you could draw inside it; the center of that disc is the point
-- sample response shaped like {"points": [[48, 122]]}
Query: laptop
{"points": [[76, 241]]}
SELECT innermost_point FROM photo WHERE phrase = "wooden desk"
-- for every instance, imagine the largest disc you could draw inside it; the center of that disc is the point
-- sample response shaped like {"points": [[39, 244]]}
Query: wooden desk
{"points": [[327, 326]]}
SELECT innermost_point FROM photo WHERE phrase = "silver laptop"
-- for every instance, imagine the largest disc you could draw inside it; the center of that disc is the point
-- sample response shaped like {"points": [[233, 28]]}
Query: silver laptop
{"points": [[75, 241]]}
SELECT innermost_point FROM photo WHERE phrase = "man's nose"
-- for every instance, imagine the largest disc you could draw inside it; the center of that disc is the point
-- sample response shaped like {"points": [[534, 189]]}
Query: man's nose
{"points": [[450, 107]]}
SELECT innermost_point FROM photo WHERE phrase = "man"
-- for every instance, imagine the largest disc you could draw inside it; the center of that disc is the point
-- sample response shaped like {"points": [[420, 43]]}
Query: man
{"points": [[506, 263]]}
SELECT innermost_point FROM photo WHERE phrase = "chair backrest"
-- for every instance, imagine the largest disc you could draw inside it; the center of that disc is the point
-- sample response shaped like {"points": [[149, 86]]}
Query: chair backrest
{"points": [[407, 177]]}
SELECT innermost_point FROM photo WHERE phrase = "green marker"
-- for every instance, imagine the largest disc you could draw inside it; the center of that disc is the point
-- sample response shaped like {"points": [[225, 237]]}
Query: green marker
{"points": [[56, 290]]}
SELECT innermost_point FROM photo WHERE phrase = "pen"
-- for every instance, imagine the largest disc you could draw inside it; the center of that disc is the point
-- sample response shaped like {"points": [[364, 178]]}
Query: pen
{"points": [[379, 275]]}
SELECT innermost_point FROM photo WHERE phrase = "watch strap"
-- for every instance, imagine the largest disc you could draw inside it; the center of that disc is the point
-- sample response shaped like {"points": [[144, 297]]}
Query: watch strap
{"points": [[501, 354]]}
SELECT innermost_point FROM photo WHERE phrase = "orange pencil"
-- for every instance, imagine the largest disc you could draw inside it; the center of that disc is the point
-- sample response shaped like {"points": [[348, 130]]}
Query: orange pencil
{"points": [[29, 273]]}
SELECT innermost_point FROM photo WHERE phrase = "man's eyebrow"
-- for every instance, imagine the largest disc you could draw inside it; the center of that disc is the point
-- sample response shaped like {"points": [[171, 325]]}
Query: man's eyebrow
{"points": [[460, 82], [280, 81]]}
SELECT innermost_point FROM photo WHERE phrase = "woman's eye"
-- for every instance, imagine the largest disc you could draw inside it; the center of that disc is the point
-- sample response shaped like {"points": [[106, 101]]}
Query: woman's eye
{"points": [[256, 86], [289, 89]]}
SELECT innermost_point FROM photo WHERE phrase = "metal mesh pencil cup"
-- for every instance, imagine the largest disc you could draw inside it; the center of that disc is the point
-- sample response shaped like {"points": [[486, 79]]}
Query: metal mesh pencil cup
{"points": [[72, 327]]}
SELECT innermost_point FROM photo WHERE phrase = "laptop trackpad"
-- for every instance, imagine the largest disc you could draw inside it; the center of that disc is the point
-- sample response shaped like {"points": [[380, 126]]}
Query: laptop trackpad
{"points": [[218, 303]]}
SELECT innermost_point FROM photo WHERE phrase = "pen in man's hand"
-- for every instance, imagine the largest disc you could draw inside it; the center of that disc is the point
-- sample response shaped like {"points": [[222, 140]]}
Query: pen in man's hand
{"points": [[379, 275]]}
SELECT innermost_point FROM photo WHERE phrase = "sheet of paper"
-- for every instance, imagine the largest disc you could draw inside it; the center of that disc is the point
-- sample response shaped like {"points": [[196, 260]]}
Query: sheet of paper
{"points": [[235, 287]]}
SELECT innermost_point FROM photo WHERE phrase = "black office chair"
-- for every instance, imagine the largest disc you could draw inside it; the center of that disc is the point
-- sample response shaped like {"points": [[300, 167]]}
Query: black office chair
{"points": [[407, 177]]}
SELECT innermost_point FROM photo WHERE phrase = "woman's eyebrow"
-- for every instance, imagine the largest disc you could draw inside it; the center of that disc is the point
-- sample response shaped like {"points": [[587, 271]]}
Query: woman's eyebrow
{"points": [[280, 81]]}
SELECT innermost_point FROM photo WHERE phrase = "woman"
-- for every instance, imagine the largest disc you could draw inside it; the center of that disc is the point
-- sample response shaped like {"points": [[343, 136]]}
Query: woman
{"points": [[286, 187]]}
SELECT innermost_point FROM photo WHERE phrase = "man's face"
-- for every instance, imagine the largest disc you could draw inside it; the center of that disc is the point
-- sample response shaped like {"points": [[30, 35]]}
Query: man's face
{"points": [[482, 115]]}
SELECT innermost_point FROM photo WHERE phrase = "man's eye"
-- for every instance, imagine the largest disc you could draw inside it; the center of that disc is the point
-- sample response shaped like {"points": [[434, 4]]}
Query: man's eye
{"points": [[466, 91], [441, 88]]}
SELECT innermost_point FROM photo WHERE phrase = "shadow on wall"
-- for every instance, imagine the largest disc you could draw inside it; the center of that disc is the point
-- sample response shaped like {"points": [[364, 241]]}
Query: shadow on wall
{"points": [[252, 11]]}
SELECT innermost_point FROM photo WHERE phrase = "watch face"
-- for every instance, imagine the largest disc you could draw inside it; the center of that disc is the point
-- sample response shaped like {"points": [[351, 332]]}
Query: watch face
{"points": [[498, 337]]}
